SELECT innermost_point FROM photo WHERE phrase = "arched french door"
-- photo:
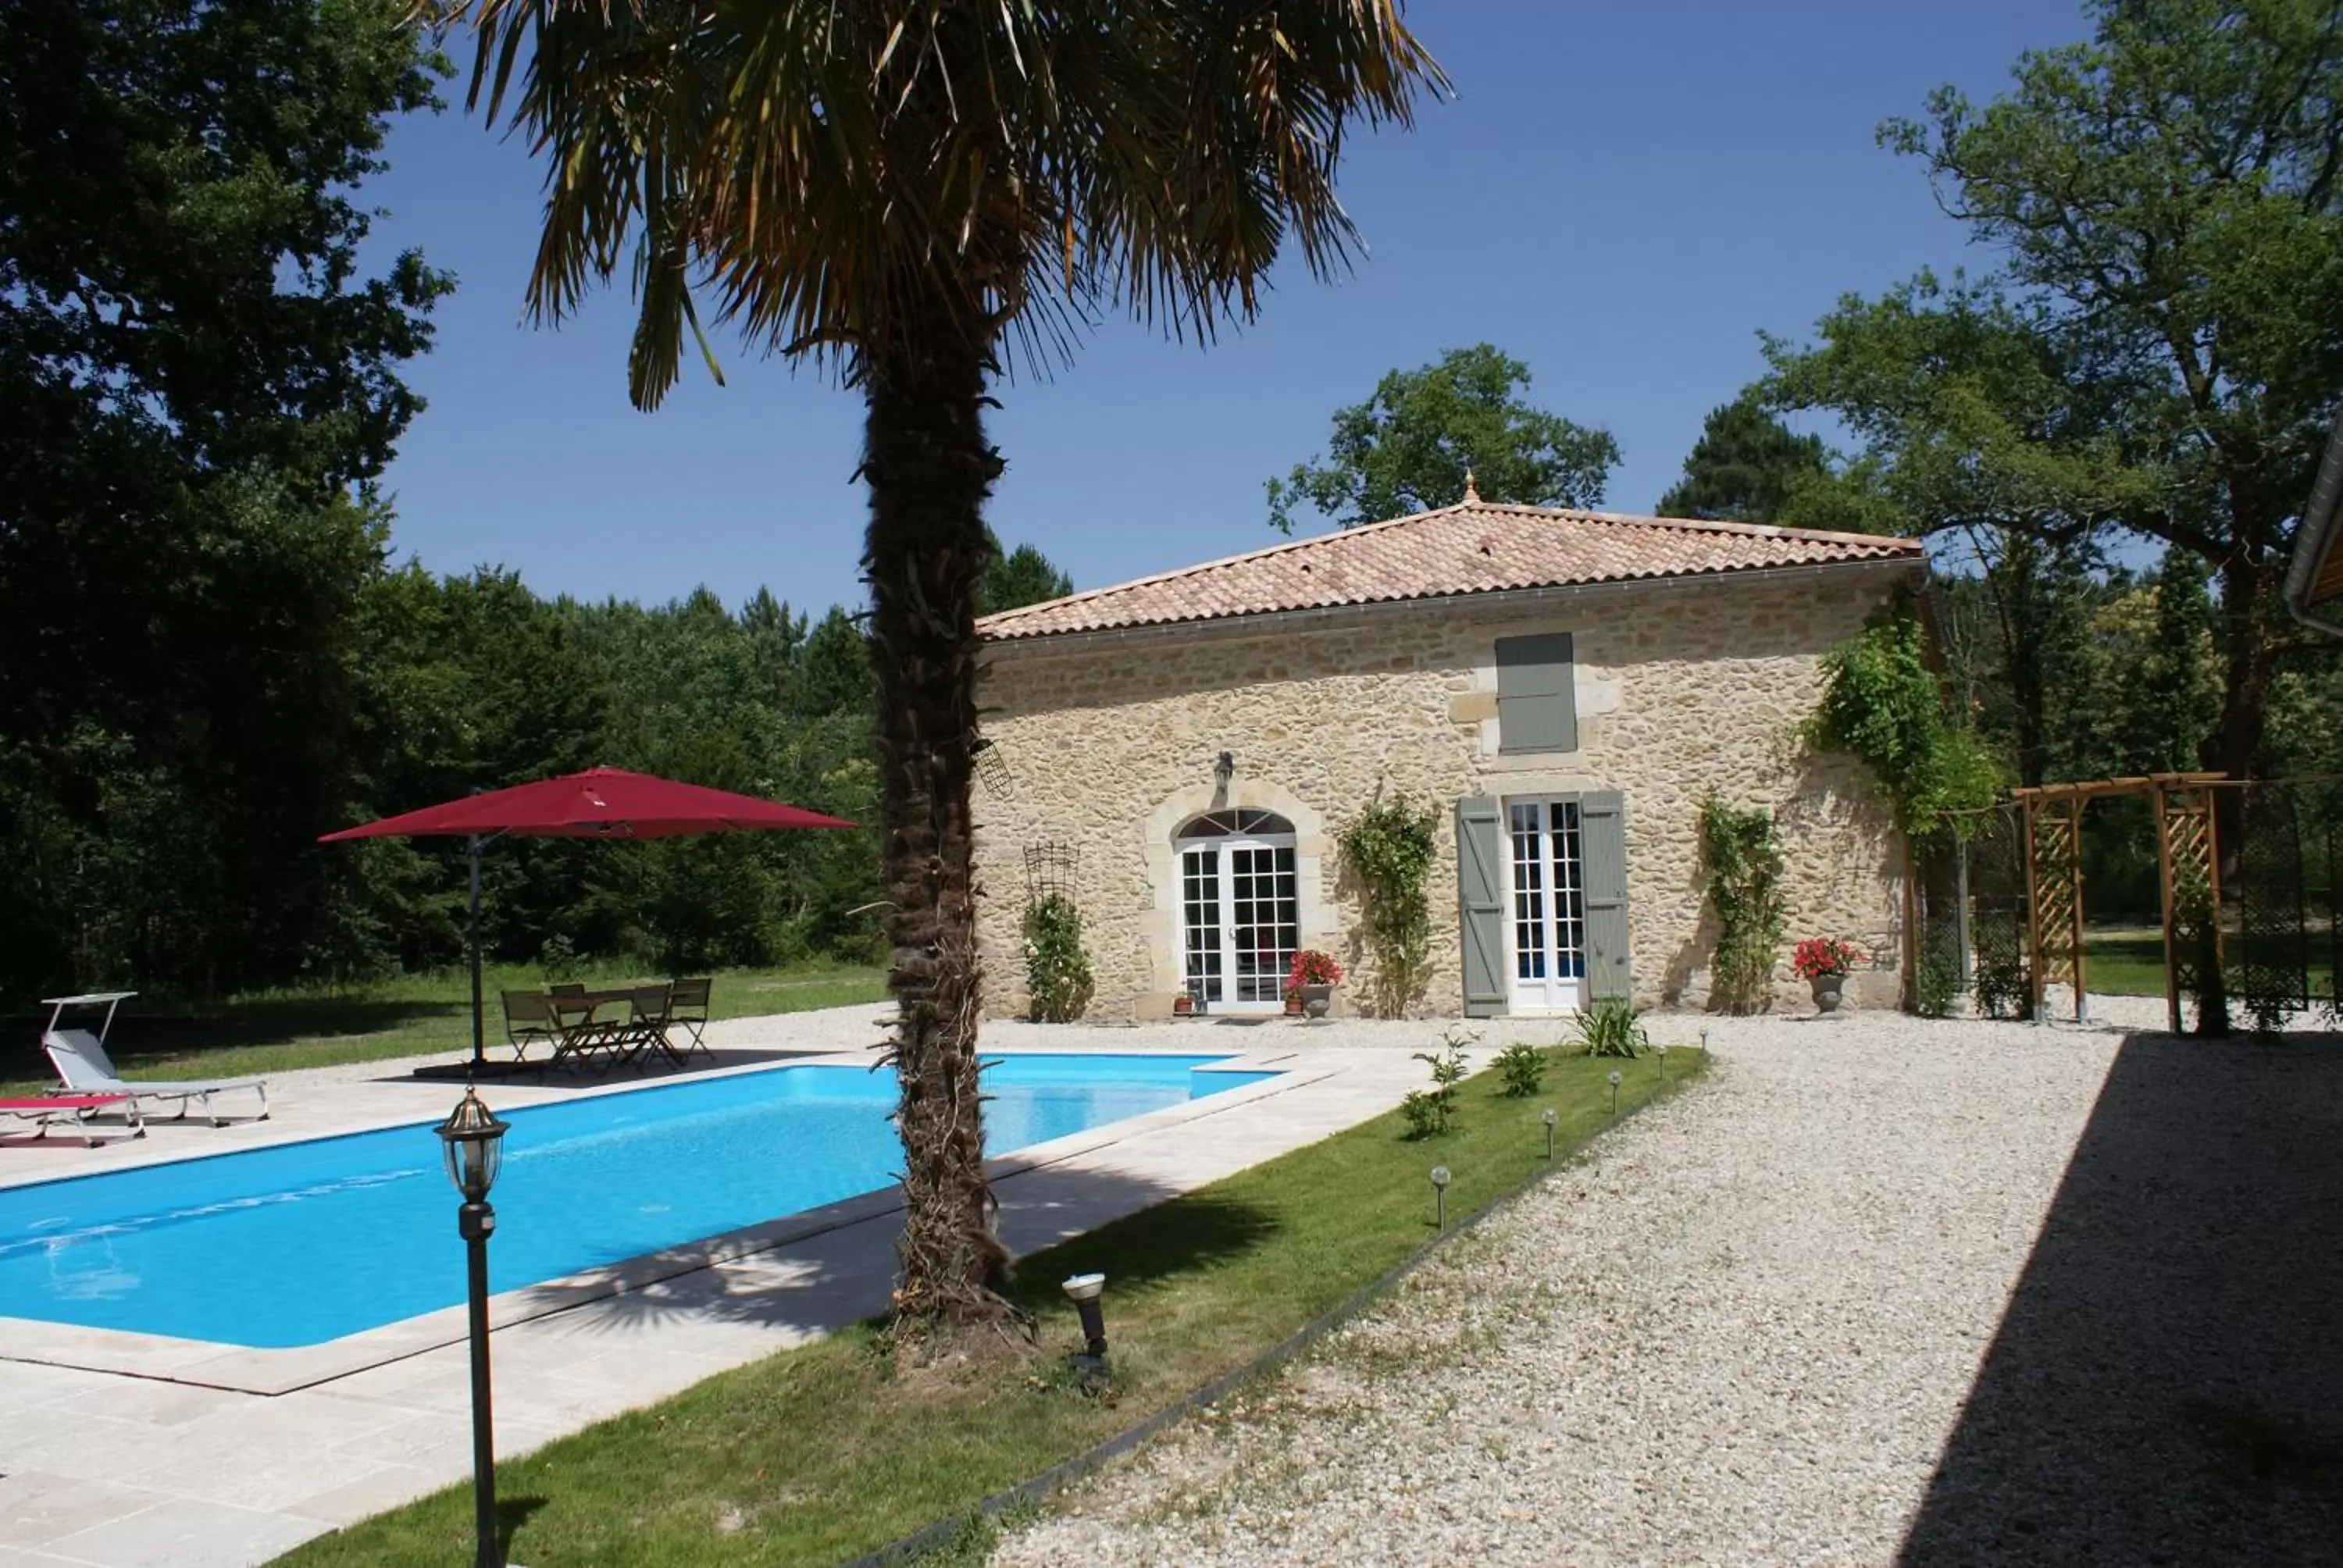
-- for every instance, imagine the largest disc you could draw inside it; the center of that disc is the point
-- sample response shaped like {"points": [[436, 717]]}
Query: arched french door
{"points": [[1240, 914]]}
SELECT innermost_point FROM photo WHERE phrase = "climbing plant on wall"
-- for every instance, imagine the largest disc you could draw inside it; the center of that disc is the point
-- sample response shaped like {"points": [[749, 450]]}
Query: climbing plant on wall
{"points": [[1389, 848], [1057, 971], [1882, 703], [1744, 867]]}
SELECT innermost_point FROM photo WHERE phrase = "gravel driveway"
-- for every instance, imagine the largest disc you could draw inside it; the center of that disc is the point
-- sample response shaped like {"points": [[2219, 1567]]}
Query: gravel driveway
{"points": [[1845, 1302]]}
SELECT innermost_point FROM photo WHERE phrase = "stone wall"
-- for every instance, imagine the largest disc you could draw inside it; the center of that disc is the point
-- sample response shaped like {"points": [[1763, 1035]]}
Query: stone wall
{"points": [[1681, 689]]}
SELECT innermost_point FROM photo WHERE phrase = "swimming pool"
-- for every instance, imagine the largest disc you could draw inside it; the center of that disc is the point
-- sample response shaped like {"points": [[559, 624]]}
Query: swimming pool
{"points": [[304, 1242]]}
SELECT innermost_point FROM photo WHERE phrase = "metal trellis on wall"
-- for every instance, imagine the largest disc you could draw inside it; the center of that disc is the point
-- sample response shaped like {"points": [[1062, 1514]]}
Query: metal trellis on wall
{"points": [[1051, 866]]}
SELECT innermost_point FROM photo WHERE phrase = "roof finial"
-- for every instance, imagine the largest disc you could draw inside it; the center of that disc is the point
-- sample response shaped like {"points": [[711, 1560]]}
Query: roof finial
{"points": [[1472, 493]]}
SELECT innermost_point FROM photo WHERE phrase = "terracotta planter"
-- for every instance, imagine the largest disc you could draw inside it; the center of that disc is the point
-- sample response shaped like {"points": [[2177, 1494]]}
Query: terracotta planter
{"points": [[1183, 1006], [1294, 1004], [1316, 999], [1827, 990]]}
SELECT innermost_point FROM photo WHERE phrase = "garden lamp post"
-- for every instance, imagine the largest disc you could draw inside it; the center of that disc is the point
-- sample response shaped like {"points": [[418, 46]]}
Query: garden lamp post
{"points": [[473, 1140], [1615, 1078], [1083, 1291], [1440, 1197], [1550, 1118]]}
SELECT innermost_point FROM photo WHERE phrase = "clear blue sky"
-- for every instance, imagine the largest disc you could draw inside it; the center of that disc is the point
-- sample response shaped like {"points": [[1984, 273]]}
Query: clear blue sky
{"points": [[1620, 195]]}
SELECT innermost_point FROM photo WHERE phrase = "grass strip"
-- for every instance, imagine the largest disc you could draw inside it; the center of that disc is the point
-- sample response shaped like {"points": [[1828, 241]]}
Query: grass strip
{"points": [[821, 1453], [283, 1030]]}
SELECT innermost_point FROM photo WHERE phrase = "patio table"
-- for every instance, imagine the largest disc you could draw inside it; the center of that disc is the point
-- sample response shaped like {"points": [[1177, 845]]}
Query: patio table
{"points": [[612, 1025], [588, 1031]]}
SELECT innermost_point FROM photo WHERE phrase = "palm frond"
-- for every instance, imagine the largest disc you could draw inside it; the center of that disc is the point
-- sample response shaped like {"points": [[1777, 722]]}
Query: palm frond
{"points": [[835, 174]]}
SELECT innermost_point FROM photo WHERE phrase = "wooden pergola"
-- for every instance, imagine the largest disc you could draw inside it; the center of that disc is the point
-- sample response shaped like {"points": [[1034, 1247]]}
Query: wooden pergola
{"points": [[2186, 844]]}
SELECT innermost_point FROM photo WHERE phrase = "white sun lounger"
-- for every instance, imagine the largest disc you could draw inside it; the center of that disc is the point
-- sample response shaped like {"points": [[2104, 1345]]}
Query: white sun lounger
{"points": [[81, 1061]]}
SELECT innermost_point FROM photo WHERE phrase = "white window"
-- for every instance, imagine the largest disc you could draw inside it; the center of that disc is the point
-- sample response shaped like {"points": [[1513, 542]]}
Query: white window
{"points": [[1240, 919], [1546, 904]]}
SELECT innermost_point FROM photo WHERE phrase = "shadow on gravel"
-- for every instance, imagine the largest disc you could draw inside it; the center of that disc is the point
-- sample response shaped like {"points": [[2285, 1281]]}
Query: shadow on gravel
{"points": [[2167, 1385]]}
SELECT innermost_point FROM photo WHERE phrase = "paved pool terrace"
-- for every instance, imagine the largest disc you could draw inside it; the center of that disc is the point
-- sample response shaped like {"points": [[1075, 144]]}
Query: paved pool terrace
{"points": [[122, 1450]]}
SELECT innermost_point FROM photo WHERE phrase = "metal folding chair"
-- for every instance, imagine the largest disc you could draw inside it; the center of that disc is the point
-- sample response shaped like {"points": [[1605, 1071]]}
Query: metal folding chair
{"points": [[687, 1010], [529, 1021], [647, 1030]]}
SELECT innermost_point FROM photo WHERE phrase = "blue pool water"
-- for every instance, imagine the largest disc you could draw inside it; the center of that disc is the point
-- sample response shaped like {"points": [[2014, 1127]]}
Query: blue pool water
{"points": [[309, 1242]]}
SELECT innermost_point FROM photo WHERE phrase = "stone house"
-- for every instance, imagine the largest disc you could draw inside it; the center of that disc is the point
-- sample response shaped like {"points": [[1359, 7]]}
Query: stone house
{"points": [[1183, 752]]}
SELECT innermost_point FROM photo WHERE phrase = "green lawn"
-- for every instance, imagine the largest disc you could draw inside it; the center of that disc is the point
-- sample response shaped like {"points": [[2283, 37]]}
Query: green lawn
{"points": [[2128, 960], [278, 1031], [817, 1454], [2124, 962]]}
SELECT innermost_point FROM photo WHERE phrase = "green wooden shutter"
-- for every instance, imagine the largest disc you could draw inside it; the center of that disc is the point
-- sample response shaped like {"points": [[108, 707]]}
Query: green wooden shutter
{"points": [[1537, 697], [1602, 860], [1480, 906]]}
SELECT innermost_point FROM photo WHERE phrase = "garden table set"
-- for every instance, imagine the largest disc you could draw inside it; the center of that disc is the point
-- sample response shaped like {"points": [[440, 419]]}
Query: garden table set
{"points": [[602, 1029]]}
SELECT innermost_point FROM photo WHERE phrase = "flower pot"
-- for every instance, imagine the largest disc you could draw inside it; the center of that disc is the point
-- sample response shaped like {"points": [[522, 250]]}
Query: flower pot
{"points": [[1826, 990], [1294, 1004], [1183, 1006], [1316, 998]]}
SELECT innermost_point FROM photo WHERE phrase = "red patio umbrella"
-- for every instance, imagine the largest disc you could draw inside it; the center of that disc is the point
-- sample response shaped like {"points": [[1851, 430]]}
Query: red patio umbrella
{"points": [[600, 803]]}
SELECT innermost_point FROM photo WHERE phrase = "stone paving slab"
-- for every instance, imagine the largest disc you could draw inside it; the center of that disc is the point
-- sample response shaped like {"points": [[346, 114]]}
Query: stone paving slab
{"points": [[121, 1468]]}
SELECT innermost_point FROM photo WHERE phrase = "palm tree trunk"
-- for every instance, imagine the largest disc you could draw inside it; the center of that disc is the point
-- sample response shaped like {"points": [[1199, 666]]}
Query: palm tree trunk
{"points": [[929, 469]]}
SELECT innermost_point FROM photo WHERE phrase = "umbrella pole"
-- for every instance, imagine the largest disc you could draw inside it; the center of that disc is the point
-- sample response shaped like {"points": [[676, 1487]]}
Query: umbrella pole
{"points": [[479, 1044]]}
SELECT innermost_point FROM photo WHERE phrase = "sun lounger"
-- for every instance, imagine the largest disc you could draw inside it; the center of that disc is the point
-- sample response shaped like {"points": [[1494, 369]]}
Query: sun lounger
{"points": [[81, 1061], [55, 1109]]}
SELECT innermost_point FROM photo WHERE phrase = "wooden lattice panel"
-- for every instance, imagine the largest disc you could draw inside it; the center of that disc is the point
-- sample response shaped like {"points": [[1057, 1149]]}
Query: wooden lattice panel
{"points": [[2188, 826], [2057, 893], [2191, 858]]}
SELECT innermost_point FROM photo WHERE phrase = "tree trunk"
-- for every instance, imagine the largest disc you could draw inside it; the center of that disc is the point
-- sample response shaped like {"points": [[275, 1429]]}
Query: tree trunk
{"points": [[929, 470], [2248, 590]]}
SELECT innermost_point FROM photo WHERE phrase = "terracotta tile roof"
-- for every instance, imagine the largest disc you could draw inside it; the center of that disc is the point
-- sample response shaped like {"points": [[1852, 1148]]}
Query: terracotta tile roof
{"points": [[1475, 547]]}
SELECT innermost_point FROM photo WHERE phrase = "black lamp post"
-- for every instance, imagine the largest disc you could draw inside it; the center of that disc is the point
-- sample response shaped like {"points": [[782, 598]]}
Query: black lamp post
{"points": [[473, 1140]]}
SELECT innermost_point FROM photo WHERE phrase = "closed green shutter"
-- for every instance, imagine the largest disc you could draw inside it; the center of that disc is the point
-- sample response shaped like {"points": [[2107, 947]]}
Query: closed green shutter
{"points": [[1537, 697], [1603, 854], [1480, 906]]}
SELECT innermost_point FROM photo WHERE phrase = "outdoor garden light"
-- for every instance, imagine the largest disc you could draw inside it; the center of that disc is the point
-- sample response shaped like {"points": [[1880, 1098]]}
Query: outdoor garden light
{"points": [[1083, 1291], [473, 1140], [1703, 1040], [1439, 1196], [1615, 1092], [1550, 1117], [1225, 768], [1662, 1052]]}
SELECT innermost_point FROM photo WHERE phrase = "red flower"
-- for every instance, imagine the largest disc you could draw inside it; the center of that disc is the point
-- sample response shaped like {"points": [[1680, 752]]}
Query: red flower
{"points": [[1819, 956], [1311, 967]]}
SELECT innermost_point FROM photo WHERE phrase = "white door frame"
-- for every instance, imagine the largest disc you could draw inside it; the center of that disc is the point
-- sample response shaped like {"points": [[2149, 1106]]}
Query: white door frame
{"points": [[1555, 993], [1221, 847]]}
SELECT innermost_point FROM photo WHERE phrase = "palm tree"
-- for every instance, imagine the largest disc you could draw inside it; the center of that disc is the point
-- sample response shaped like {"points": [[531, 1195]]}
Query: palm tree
{"points": [[915, 193]]}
